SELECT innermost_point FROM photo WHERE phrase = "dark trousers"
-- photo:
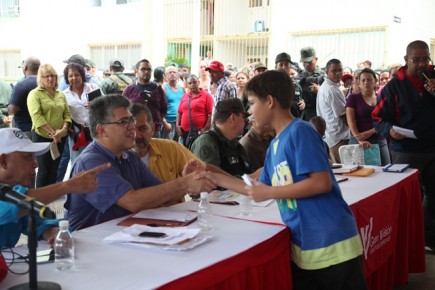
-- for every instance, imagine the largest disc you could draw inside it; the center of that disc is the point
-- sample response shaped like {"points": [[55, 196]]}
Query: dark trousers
{"points": [[348, 275], [425, 163], [63, 162], [47, 167]]}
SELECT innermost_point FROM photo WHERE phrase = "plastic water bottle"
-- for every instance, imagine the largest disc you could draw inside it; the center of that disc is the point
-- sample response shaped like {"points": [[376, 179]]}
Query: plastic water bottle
{"points": [[347, 156], [358, 156], [204, 213], [245, 203], [64, 248]]}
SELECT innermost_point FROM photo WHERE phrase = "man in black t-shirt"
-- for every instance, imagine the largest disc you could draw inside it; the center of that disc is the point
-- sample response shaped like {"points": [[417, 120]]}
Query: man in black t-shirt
{"points": [[18, 103]]}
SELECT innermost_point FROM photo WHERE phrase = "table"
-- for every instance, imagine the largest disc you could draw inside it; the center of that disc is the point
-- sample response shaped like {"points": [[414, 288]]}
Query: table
{"points": [[250, 255], [256, 256]]}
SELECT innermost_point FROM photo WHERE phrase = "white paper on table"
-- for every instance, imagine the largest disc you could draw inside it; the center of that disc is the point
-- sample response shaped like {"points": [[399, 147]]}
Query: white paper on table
{"points": [[405, 132], [263, 203], [174, 236], [166, 213]]}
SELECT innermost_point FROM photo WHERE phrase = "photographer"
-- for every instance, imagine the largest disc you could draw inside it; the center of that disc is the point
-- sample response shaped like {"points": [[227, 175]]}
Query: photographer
{"points": [[144, 91], [310, 80], [298, 104]]}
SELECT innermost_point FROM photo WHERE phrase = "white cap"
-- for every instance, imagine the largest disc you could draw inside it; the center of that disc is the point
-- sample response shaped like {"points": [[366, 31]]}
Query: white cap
{"points": [[204, 195], [14, 140], [64, 224]]}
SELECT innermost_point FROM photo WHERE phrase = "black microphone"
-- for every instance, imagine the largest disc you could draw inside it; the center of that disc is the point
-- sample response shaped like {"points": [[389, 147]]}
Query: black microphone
{"points": [[426, 79], [23, 201]]}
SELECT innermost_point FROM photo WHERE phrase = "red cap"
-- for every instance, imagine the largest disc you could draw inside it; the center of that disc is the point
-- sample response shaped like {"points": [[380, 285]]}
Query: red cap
{"points": [[216, 66], [346, 76]]}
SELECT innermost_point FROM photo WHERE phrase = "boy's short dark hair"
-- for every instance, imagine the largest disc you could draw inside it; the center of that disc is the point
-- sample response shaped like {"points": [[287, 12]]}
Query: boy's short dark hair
{"points": [[225, 108], [320, 124], [275, 83]]}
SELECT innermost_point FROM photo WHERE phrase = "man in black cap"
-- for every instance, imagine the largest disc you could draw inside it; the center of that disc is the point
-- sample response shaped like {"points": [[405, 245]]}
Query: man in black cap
{"points": [[77, 58], [91, 68], [259, 68], [284, 63], [116, 83], [220, 146], [310, 80]]}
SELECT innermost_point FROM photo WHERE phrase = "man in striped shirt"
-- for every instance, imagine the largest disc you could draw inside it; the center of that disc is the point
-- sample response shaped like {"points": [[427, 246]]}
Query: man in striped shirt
{"points": [[225, 89]]}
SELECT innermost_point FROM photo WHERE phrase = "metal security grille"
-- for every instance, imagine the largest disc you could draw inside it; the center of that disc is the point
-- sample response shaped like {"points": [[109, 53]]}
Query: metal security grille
{"points": [[350, 46], [10, 60], [101, 54], [233, 32]]}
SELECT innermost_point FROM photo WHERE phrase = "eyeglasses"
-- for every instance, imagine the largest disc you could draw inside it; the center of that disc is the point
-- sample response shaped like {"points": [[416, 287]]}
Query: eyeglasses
{"points": [[420, 60], [123, 122], [48, 76]]}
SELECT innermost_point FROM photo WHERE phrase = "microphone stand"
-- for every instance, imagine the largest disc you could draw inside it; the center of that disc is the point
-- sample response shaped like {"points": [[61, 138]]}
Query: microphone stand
{"points": [[32, 245]]}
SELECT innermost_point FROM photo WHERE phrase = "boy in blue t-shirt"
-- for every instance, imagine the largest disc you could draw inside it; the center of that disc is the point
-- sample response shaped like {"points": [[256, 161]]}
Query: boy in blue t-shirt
{"points": [[326, 247]]}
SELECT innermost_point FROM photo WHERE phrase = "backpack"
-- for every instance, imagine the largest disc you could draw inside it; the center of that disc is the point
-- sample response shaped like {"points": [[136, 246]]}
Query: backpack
{"points": [[118, 84]]}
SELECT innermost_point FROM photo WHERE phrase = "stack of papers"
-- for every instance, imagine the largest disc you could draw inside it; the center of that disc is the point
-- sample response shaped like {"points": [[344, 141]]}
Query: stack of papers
{"points": [[175, 239], [162, 216], [395, 167], [345, 168]]}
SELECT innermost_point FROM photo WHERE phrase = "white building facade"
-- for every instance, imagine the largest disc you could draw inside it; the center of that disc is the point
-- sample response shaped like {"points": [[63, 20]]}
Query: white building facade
{"points": [[234, 31]]}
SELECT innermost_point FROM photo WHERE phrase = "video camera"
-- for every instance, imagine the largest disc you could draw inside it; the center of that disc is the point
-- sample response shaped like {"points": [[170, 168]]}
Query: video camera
{"points": [[146, 95], [310, 80]]}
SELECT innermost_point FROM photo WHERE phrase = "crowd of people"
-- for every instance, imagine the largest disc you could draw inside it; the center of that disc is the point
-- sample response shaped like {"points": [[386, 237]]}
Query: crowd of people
{"points": [[147, 143]]}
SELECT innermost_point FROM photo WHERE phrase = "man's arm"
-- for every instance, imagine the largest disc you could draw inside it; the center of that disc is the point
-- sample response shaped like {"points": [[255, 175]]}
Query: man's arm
{"points": [[383, 114], [155, 196], [12, 109], [83, 182], [205, 148], [317, 183]]}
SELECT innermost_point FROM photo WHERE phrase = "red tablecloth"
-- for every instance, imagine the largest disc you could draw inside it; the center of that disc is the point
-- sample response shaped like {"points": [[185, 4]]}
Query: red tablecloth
{"points": [[391, 228], [265, 266]]}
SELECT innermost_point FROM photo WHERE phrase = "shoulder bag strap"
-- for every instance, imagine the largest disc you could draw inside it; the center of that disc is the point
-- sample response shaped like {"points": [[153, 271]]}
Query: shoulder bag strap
{"points": [[191, 126]]}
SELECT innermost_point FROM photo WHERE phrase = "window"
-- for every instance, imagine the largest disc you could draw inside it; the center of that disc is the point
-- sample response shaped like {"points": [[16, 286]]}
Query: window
{"points": [[9, 62], [9, 8], [128, 53], [255, 3]]}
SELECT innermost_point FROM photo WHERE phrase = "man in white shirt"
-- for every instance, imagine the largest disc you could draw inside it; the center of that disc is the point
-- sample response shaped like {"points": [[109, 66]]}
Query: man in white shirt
{"points": [[330, 106]]}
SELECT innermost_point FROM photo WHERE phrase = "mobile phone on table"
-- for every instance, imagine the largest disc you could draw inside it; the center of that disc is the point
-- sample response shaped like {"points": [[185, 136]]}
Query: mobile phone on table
{"points": [[152, 235]]}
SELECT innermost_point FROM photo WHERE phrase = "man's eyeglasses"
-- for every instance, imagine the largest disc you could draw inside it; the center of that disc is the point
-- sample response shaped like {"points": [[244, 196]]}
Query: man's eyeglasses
{"points": [[420, 60], [48, 76], [123, 122]]}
